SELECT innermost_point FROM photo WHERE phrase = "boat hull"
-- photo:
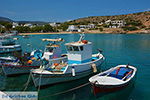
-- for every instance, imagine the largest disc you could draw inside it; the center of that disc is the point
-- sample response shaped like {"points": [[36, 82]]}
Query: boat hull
{"points": [[41, 79], [102, 88], [110, 88], [14, 70], [10, 49], [10, 70]]}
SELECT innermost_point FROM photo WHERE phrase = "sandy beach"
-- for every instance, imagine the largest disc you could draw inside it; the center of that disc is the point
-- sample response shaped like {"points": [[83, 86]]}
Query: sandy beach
{"points": [[129, 32]]}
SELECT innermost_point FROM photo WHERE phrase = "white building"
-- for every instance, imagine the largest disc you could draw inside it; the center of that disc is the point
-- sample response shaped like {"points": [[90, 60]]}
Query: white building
{"points": [[115, 23], [73, 28], [14, 24], [28, 24], [54, 24], [89, 26], [108, 22], [1, 26]]}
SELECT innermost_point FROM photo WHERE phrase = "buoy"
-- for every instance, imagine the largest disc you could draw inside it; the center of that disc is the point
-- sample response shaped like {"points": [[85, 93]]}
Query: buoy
{"points": [[94, 68], [29, 62], [54, 56], [56, 64], [73, 71], [84, 41]]}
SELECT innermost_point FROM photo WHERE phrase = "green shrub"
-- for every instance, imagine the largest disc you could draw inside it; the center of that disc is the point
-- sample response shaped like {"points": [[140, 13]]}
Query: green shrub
{"points": [[133, 23], [130, 28], [100, 29]]}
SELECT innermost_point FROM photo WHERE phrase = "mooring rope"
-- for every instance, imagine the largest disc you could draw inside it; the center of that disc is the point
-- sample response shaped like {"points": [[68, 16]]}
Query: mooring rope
{"points": [[28, 81], [1, 71], [66, 90], [40, 81]]}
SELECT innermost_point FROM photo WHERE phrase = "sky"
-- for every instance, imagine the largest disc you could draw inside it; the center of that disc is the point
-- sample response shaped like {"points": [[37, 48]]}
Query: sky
{"points": [[64, 10]]}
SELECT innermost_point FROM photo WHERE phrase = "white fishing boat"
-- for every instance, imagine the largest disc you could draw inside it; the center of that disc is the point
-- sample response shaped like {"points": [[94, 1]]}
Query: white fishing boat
{"points": [[113, 79], [26, 63], [6, 60], [80, 63], [4, 96], [7, 46]]}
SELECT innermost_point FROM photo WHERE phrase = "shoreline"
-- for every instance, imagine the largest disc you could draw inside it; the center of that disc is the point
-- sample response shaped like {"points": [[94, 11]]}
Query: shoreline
{"points": [[81, 32]]}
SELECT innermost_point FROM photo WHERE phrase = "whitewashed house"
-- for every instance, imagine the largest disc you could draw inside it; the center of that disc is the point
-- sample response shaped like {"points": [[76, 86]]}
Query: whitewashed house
{"points": [[73, 28], [29, 25], [89, 26], [115, 23], [54, 24], [14, 24]]}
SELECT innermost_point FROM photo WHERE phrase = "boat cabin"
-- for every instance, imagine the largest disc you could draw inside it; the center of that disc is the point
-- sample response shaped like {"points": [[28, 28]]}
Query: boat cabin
{"points": [[52, 50], [79, 52]]}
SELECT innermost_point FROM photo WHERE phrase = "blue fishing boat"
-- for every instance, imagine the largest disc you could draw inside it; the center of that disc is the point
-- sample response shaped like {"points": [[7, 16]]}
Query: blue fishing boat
{"points": [[80, 63], [113, 79]]}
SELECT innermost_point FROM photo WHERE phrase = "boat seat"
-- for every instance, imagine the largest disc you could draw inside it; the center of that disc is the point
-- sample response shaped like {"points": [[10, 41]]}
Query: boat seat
{"points": [[121, 73], [126, 77]]}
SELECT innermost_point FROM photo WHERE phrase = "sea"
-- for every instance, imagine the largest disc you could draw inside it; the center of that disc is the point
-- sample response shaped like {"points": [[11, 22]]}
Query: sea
{"points": [[133, 49]]}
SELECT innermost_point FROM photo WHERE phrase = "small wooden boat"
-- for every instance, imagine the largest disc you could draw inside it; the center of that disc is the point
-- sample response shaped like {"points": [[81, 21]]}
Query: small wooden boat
{"points": [[113, 79]]}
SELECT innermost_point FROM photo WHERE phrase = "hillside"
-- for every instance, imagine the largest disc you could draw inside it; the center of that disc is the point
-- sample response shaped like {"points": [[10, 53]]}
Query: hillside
{"points": [[143, 17], [4, 19], [32, 22]]}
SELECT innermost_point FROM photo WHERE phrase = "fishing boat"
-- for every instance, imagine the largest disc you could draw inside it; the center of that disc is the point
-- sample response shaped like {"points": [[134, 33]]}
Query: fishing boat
{"points": [[5, 96], [80, 63], [8, 45], [7, 59], [22, 64], [113, 79], [31, 61]]}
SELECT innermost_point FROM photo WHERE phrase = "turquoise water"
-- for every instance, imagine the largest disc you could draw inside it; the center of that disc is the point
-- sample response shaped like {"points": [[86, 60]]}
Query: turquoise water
{"points": [[117, 48]]}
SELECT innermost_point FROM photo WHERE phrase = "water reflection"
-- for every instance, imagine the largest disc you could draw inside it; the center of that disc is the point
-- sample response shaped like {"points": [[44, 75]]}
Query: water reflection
{"points": [[83, 93]]}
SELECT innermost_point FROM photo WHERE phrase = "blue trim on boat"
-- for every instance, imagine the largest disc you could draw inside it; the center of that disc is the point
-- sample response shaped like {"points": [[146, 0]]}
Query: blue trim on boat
{"points": [[80, 62], [121, 73]]}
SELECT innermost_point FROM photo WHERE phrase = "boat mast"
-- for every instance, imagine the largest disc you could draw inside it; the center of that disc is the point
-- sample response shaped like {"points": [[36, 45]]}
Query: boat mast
{"points": [[82, 36]]}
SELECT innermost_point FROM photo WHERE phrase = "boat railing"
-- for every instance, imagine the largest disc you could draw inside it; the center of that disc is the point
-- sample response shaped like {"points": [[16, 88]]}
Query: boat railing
{"points": [[65, 69]]}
